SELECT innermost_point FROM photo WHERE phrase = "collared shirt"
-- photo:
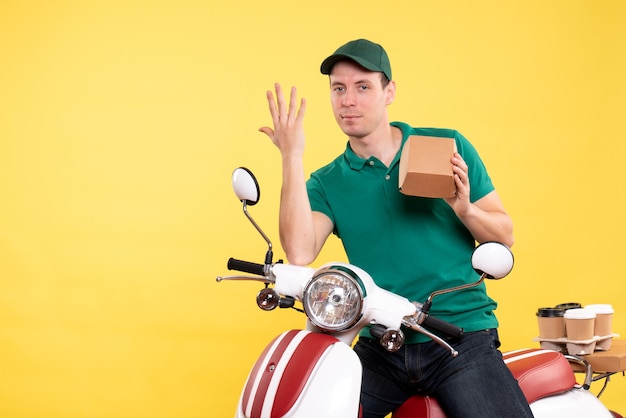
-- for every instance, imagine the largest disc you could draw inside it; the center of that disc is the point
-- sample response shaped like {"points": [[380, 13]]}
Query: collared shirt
{"points": [[409, 245]]}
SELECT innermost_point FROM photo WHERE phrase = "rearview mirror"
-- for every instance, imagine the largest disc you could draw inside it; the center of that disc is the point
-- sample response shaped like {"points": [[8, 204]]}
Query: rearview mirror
{"points": [[493, 260], [245, 186]]}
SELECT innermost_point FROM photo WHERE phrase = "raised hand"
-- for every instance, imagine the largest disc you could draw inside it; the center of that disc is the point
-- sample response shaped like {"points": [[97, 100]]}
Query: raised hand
{"points": [[288, 120]]}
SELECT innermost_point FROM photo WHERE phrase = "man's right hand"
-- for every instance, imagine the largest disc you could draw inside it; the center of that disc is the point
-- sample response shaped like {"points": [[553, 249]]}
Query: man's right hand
{"points": [[288, 131]]}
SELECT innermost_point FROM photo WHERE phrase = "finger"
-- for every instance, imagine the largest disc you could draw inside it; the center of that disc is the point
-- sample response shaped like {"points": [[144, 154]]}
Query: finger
{"points": [[267, 131], [272, 106], [461, 179], [293, 101], [459, 171], [302, 109], [460, 184], [459, 161], [280, 99]]}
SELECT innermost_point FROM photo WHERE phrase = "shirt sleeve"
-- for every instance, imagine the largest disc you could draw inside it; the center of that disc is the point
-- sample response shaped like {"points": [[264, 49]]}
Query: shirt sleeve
{"points": [[317, 197]]}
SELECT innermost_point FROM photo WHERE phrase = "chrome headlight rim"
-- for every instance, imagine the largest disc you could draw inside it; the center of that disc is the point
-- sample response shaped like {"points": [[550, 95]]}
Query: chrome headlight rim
{"points": [[356, 284]]}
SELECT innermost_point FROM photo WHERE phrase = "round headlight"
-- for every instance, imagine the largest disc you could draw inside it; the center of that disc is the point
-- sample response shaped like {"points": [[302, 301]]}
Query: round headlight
{"points": [[333, 299]]}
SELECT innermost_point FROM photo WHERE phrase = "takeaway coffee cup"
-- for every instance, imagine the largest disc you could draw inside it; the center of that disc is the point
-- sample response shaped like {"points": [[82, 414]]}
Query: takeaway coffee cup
{"points": [[604, 319], [551, 323], [579, 324]]}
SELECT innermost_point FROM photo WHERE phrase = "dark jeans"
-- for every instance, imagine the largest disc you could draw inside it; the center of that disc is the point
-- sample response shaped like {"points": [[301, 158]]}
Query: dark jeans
{"points": [[476, 383]]}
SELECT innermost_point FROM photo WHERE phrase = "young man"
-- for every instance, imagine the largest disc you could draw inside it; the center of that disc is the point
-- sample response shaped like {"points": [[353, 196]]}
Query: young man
{"points": [[410, 245]]}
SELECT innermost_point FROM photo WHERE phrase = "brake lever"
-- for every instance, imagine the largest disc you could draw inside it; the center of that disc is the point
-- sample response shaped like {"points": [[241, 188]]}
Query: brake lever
{"points": [[410, 322], [245, 278]]}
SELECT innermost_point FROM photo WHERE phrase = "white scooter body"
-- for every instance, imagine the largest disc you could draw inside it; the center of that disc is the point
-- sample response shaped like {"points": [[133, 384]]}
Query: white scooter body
{"points": [[572, 404], [303, 374]]}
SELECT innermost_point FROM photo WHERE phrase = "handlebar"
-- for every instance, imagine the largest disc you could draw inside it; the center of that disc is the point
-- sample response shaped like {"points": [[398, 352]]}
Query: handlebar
{"points": [[441, 326], [420, 321], [427, 325], [246, 266]]}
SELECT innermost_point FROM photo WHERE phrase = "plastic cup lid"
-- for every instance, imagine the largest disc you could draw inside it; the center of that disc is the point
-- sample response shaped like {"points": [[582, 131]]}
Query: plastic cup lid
{"points": [[569, 305], [600, 308], [579, 313], [550, 312]]}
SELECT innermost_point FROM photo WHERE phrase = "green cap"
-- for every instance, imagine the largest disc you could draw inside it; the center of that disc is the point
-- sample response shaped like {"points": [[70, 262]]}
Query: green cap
{"points": [[367, 54]]}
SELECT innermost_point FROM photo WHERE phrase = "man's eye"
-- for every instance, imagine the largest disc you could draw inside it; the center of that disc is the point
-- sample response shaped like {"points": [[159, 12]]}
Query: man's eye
{"points": [[363, 87]]}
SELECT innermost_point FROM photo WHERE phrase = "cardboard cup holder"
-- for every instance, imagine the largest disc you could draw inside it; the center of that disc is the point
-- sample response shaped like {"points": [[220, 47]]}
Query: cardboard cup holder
{"points": [[577, 347], [574, 329]]}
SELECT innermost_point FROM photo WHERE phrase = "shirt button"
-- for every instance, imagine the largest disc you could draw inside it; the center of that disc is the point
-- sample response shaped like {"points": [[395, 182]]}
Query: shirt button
{"points": [[387, 177], [371, 162]]}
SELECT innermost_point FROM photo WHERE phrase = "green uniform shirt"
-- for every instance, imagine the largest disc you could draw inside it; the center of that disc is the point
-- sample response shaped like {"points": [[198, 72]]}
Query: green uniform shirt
{"points": [[410, 245]]}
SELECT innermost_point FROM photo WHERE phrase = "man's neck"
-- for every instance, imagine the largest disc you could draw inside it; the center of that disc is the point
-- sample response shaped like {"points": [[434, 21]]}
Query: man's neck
{"points": [[382, 145]]}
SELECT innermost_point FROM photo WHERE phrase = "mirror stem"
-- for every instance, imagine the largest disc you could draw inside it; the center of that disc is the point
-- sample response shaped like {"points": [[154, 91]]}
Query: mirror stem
{"points": [[269, 254], [429, 301]]}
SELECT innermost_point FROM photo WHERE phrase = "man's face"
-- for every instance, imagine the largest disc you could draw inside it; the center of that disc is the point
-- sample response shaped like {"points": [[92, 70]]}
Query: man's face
{"points": [[358, 99]]}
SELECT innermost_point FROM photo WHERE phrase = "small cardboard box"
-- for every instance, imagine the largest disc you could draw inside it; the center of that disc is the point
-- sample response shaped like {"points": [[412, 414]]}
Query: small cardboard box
{"points": [[613, 360], [425, 167]]}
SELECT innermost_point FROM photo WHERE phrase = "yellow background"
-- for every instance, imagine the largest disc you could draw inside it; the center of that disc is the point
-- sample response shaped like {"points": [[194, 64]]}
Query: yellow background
{"points": [[121, 122]]}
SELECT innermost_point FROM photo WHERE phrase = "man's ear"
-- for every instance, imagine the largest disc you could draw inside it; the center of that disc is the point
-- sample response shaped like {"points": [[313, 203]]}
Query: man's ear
{"points": [[390, 92]]}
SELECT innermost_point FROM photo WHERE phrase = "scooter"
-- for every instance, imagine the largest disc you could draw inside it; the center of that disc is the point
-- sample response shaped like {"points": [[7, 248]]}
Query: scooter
{"points": [[313, 372]]}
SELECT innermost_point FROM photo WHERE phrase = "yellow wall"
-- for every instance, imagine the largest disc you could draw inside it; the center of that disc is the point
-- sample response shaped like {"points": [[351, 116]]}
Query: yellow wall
{"points": [[120, 124]]}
